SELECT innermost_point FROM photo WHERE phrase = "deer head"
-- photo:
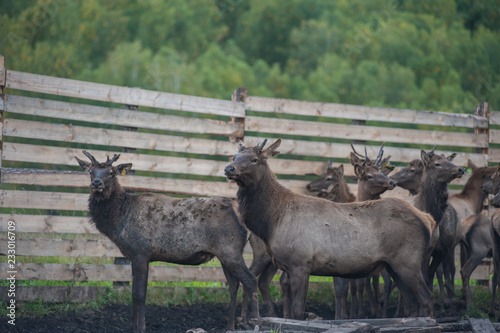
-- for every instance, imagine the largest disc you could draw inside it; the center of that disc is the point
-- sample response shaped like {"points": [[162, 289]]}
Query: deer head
{"points": [[102, 175], [249, 164], [410, 177], [329, 181], [440, 167]]}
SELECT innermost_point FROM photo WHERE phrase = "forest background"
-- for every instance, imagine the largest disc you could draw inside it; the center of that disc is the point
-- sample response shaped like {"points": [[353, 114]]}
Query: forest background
{"points": [[428, 55]]}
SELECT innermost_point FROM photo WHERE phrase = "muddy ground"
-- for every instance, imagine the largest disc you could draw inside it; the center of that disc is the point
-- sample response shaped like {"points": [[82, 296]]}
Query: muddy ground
{"points": [[175, 319]]}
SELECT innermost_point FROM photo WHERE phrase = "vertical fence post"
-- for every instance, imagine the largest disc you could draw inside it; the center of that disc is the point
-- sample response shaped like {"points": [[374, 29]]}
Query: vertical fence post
{"points": [[239, 95], [120, 260], [482, 110]]}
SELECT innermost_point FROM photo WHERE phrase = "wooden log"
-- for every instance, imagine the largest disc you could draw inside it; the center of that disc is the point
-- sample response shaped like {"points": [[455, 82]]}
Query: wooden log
{"points": [[368, 113], [121, 95], [94, 272], [309, 326], [368, 133], [481, 326]]}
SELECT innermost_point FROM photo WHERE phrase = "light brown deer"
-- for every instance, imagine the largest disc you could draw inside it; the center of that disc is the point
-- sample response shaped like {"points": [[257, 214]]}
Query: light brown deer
{"points": [[154, 227], [312, 236]]}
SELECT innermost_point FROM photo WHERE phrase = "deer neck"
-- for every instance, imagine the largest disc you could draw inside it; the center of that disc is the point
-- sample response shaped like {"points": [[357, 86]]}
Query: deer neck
{"points": [[472, 190], [105, 210], [259, 205], [433, 198], [364, 193]]}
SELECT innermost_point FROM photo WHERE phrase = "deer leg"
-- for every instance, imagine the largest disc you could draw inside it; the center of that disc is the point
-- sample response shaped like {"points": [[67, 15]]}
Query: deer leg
{"points": [[264, 281], [287, 297], [340, 286], [299, 283], [140, 268], [464, 257], [449, 278], [241, 273], [474, 260], [387, 291], [233, 283], [257, 266], [373, 294], [496, 271], [352, 287], [360, 290]]}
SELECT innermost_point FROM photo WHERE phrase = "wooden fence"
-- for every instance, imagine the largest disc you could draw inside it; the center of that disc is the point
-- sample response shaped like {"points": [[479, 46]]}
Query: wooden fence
{"points": [[179, 145]]}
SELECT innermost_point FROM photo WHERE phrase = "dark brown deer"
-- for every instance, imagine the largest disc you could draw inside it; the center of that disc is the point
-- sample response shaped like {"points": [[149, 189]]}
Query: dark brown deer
{"points": [[493, 187], [433, 199], [154, 227], [468, 204], [333, 186], [311, 236]]}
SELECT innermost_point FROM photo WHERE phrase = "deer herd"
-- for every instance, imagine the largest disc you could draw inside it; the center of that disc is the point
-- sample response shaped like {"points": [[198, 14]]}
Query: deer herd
{"points": [[353, 239]]}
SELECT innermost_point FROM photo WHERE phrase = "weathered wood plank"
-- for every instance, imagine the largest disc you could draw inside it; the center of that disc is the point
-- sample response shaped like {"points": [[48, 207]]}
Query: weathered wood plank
{"points": [[494, 117], [62, 294], [122, 95], [310, 326], [341, 150], [48, 223], [64, 248], [122, 117], [365, 133], [43, 200], [66, 156], [481, 326], [346, 111], [134, 183], [83, 272], [108, 137]]}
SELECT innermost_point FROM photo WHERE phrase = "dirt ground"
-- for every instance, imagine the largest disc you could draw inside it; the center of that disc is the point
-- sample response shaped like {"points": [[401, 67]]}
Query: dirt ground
{"points": [[173, 319]]}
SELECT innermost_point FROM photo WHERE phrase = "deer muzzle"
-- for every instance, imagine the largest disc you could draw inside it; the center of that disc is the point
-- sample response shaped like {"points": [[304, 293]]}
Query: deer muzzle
{"points": [[97, 185]]}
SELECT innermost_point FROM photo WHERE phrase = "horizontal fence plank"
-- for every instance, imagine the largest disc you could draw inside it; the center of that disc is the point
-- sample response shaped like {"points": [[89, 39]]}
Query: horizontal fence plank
{"points": [[134, 183], [123, 95], [21, 152], [63, 248], [95, 272], [342, 151], [121, 117], [101, 136], [358, 132], [44, 200], [494, 118], [359, 112], [48, 223]]}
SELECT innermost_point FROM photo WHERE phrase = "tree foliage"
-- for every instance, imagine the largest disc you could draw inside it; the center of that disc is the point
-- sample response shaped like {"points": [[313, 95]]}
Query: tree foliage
{"points": [[407, 54]]}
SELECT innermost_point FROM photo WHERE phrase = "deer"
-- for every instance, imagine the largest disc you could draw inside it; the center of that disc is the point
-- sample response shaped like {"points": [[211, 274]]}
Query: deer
{"points": [[433, 199], [333, 186], [475, 235], [372, 182], [155, 227], [492, 186], [306, 235]]}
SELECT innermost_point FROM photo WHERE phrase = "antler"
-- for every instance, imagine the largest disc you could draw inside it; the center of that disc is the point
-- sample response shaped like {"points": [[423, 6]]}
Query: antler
{"points": [[365, 157], [378, 161], [261, 146], [111, 161], [91, 158]]}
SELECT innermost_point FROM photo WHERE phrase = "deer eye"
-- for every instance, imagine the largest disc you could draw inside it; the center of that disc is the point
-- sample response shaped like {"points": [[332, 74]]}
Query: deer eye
{"points": [[369, 176], [329, 178], [437, 164], [254, 160], [412, 170]]}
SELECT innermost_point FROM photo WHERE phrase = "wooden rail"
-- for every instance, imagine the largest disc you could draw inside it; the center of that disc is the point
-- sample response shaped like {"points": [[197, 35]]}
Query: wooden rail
{"points": [[182, 145]]}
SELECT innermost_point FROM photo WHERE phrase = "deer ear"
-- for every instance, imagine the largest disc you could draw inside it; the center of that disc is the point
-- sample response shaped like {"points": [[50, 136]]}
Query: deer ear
{"points": [[451, 157], [341, 169], [354, 159], [241, 146], [271, 150], [358, 170], [123, 169], [84, 165], [425, 157]]}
